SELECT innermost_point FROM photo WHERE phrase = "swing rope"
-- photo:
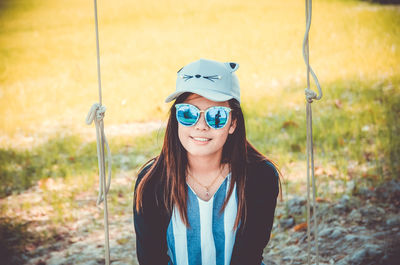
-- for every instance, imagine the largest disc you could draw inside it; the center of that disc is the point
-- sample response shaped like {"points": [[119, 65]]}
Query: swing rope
{"points": [[310, 96], [96, 114]]}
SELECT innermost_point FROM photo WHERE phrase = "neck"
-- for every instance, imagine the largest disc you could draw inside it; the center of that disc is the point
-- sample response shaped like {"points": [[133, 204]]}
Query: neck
{"points": [[203, 166]]}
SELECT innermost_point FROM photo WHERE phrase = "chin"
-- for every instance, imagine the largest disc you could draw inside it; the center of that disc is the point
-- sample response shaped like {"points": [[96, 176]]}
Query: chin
{"points": [[202, 154], [197, 152], [202, 151]]}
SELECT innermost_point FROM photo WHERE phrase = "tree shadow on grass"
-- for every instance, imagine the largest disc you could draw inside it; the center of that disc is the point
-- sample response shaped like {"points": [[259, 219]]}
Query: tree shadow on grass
{"points": [[15, 241], [383, 2], [13, 6], [18, 243]]}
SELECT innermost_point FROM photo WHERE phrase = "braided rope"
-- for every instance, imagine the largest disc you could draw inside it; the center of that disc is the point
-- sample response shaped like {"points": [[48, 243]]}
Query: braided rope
{"points": [[96, 114], [310, 96]]}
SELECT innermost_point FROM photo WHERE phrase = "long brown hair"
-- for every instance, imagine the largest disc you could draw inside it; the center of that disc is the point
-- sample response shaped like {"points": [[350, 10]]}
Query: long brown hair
{"points": [[168, 170]]}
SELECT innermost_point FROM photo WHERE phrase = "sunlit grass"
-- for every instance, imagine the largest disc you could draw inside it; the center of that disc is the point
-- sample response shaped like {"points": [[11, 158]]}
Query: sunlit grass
{"points": [[48, 62]]}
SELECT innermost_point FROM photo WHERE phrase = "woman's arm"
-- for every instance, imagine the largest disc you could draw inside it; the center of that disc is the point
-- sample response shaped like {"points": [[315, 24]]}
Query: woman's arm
{"points": [[262, 189], [150, 227]]}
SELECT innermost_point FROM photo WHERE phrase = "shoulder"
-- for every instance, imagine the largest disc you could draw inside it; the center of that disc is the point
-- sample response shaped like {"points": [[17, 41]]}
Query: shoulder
{"points": [[263, 175], [264, 169], [143, 171], [147, 188]]}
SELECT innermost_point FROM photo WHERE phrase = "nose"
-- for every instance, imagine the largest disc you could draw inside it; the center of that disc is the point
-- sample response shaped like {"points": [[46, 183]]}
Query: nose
{"points": [[201, 123]]}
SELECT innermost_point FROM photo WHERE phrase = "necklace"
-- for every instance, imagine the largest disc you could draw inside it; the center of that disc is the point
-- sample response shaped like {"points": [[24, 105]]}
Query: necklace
{"points": [[206, 187]]}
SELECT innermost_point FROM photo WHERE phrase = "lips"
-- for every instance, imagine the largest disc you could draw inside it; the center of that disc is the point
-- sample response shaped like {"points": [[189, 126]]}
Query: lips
{"points": [[201, 139]]}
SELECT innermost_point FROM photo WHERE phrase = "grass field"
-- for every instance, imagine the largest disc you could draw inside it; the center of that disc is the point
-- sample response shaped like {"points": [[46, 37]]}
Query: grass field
{"points": [[48, 77], [48, 62], [48, 82]]}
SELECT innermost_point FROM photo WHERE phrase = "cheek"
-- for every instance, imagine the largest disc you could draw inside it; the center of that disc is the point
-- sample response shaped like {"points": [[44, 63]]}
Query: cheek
{"points": [[182, 134], [220, 136], [223, 137]]}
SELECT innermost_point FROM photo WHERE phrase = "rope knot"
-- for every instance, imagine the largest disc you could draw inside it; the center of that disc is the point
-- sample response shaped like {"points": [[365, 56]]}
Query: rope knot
{"points": [[96, 114], [96, 111], [310, 95], [101, 110]]}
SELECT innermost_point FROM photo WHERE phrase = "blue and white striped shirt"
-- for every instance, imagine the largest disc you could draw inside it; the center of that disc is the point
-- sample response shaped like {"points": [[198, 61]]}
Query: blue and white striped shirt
{"points": [[210, 238]]}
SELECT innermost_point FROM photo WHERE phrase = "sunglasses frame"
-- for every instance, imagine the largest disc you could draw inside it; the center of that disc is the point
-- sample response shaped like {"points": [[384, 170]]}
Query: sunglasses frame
{"points": [[226, 109]]}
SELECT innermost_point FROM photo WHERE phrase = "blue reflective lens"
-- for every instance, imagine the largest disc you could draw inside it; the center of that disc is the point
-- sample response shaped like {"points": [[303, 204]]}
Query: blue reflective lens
{"points": [[188, 115], [216, 117]]}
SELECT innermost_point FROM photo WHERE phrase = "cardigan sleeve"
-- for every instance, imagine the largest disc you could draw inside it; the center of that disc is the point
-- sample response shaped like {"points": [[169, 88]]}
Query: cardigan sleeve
{"points": [[150, 227], [261, 191]]}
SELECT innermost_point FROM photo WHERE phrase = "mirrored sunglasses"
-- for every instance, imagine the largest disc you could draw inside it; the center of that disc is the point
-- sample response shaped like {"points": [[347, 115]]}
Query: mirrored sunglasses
{"points": [[216, 117]]}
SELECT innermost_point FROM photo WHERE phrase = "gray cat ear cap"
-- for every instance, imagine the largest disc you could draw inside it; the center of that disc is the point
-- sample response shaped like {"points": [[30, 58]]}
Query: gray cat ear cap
{"points": [[213, 80]]}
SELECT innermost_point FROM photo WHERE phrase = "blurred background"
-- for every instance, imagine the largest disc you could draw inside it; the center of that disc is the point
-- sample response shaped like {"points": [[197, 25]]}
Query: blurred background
{"points": [[48, 82]]}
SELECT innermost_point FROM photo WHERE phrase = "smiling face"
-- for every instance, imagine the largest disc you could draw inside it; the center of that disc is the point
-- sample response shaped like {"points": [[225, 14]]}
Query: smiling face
{"points": [[200, 140]]}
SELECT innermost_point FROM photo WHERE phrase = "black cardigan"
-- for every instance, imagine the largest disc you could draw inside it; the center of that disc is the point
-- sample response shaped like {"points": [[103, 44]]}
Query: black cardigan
{"points": [[261, 191]]}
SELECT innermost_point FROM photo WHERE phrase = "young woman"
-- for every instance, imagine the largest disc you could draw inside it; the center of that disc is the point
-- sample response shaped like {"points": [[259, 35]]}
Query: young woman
{"points": [[210, 196]]}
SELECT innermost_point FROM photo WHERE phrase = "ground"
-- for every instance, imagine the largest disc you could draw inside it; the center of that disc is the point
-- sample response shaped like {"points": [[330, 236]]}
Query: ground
{"points": [[359, 229]]}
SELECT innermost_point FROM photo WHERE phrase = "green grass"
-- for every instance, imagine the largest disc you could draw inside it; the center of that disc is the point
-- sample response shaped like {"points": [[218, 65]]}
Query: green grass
{"points": [[66, 157], [59, 157], [348, 126]]}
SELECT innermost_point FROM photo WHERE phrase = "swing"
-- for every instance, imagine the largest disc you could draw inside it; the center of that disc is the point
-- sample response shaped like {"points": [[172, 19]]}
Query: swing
{"points": [[97, 111]]}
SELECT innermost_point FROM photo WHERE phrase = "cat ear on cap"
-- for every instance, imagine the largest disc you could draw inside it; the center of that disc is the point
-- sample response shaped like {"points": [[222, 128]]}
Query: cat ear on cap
{"points": [[232, 66]]}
